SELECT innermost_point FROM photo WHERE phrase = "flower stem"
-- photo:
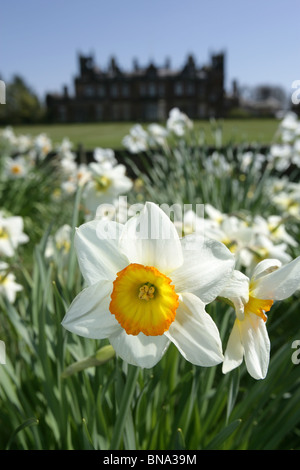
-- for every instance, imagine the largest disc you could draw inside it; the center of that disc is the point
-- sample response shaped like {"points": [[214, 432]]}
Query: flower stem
{"points": [[131, 380]]}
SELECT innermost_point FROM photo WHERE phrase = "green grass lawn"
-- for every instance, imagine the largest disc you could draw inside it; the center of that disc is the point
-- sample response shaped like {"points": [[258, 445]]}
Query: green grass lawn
{"points": [[110, 135]]}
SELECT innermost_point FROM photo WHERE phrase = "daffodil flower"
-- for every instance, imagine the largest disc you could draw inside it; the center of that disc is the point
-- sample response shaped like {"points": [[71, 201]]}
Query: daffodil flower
{"points": [[11, 234], [59, 244], [252, 299], [8, 286], [147, 288], [105, 184], [16, 167]]}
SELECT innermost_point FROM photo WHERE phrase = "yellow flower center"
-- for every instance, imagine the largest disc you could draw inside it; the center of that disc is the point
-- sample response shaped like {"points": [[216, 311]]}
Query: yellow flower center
{"points": [[143, 300], [16, 169], [63, 246], [46, 149], [231, 244], [261, 253], [102, 183], [80, 175], [3, 233], [146, 292], [3, 278], [258, 307]]}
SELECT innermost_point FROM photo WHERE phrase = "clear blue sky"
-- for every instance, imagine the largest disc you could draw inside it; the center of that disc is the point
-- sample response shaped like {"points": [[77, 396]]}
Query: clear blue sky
{"points": [[40, 39]]}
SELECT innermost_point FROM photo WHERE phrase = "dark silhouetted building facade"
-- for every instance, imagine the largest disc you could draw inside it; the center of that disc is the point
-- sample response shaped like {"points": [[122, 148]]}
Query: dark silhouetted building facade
{"points": [[142, 94]]}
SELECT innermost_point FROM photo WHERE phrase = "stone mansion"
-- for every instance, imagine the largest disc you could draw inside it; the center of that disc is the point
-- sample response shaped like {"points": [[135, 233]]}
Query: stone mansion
{"points": [[141, 94]]}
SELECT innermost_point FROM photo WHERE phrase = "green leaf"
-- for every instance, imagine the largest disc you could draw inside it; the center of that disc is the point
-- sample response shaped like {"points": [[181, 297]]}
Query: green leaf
{"points": [[28, 423], [87, 435], [129, 389], [233, 391], [220, 438]]}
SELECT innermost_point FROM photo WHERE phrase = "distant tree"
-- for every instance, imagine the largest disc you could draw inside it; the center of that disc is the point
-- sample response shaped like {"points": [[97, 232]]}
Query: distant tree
{"points": [[265, 92], [22, 104], [261, 93]]}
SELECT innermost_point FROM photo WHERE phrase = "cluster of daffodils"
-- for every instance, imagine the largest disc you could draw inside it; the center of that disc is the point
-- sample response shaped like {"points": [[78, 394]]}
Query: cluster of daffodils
{"points": [[21, 154], [13, 144], [285, 196], [102, 180], [149, 280], [58, 245], [250, 239], [11, 236], [18, 158], [140, 140], [72, 174], [283, 153], [286, 151], [147, 288], [217, 165]]}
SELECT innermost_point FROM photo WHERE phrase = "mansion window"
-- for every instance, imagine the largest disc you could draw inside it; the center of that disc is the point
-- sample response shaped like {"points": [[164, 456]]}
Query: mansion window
{"points": [[114, 90], [88, 91], [178, 88], [201, 89], [152, 89], [161, 89], [190, 89], [143, 89], [125, 90], [148, 89], [101, 91]]}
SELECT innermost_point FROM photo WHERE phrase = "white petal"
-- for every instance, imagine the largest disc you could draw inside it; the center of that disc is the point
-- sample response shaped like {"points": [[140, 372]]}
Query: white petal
{"points": [[256, 345], [207, 268], [11, 288], [279, 284], [6, 247], [151, 239], [15, 225], [89, 314], [195, 334], [96, 244], [22, 238], [266, 266], [238, 286], [141, 350], [237, 290], [234, 353]]}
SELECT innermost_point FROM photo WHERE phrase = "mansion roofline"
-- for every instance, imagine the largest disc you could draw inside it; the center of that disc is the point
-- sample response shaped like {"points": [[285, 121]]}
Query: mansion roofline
{"points": [[141, 94]]}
